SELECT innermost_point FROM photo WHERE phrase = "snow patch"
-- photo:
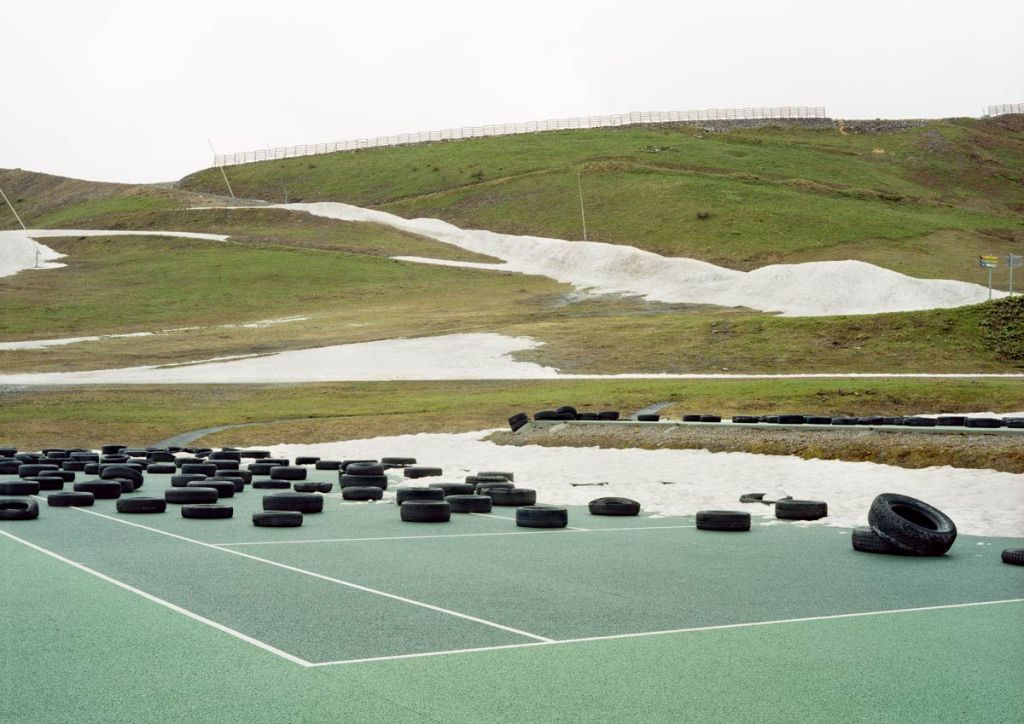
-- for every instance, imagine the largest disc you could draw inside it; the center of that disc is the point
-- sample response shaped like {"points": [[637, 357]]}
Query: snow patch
{"points": [[812, 289], [681, 482]]}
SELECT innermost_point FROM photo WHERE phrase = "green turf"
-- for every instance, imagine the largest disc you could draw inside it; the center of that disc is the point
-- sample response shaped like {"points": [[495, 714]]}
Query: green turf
{"points": [[88, 646]]}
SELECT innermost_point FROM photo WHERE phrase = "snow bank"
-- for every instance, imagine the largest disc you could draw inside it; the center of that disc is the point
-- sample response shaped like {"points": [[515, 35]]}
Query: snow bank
{"points": [[811, 289], [452, 357], [681, 482], [18, 248]]}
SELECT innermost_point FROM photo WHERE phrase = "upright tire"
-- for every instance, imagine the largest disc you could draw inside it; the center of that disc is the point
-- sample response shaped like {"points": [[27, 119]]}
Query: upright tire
{"points": [[469, 503], [425, 511], [912, 525], [801, 509], [867, 541]]}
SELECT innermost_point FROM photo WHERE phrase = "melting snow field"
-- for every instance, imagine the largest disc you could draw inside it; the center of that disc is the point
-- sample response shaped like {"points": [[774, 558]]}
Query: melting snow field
{"points": [[681, 482], [480, 356], [812, 289]]}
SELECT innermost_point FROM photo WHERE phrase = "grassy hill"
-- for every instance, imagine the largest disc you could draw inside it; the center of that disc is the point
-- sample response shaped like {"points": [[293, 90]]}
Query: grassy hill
{"points": [[923, 200]]}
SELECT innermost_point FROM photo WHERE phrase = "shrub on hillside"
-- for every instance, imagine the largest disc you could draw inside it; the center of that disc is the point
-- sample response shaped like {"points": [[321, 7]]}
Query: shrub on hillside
{"points": [[1003, 322]]}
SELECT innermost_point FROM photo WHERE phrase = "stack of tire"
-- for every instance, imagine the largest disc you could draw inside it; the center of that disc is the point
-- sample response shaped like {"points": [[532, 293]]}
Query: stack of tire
{"points": [[287, 509], [362, 480], [901, 525]]}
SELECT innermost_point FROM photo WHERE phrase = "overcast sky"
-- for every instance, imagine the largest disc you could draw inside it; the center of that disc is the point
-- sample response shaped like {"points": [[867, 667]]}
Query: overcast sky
{"points": [[131, 90]]}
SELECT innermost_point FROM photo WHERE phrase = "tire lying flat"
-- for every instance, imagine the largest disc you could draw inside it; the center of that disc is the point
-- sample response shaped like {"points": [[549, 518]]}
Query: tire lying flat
{"points": [[420, 471], [723, 520], [867, 541], [469, 503], [312, 487], [425, 511], [101, 489], [614, 506], [70, 500], [141, 505], [207, 511], [191, 496], [801, 509], [19, 487], [542, 516], [409, 494], [912, 525], [277, 519], [300, 502], [14, 509], [512, 496], [362, 492]]}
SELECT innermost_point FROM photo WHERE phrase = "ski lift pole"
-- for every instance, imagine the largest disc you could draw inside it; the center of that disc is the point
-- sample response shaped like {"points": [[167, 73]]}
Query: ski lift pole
{"points": [[990, 263]]}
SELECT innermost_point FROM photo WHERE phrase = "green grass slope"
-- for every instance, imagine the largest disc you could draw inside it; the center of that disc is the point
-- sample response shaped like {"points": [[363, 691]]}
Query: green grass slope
{"points": [[922, 200]]}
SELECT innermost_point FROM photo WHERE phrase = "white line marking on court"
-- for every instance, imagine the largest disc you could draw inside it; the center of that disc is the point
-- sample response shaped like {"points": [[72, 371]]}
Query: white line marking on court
{"points": [[645, 634], [166, 604], [340, 582], [450, 535]]}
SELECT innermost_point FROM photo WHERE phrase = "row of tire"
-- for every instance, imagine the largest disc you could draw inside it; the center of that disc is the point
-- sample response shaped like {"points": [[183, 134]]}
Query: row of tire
{"points": [[568, 412]]}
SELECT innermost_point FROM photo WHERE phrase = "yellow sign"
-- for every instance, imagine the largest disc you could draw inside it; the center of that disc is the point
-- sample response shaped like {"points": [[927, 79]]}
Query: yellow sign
{"points": [[989, 262]]}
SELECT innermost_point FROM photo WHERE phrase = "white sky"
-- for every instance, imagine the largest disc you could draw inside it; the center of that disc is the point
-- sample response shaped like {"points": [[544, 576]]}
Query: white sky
{"points": [[131, 90]]}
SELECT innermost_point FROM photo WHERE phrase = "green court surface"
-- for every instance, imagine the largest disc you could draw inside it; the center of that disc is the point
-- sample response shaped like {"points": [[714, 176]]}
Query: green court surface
{"points": [[357, 616]]}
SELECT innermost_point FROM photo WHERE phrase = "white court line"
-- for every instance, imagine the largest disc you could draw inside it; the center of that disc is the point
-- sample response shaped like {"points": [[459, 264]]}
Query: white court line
{"points": [[329, 579], [451, 535], [645, 634], [167, 604]]}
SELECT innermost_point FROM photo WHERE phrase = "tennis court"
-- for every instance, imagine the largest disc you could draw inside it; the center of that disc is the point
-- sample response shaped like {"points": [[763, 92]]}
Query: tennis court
{"points": [[357, 616]]}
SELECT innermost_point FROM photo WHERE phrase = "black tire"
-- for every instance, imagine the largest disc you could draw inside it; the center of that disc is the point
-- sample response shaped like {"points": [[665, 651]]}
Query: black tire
{"points": [[127, 484], [235, 455], [565, 416], [208, 469], [112, 449], [364, 468], [753, 498], [723, 520], [518, 425], [513, 497], [801, 509], [745, 419], [983, 422], [867, 541], [792, 419], [454, 488], [425, 511], [11, 509], [489, 478], [380, 481], [301, 502], [74, 466], [614, 506], [19, 487], [287, 472], [545, 415], [225, 476], [469, 503], [277, 519], [260, 468], [418, 494], [496, 474], [48, 483], [648, 418], [518, 420], [362, 492], [191, 496], [101, 489], [845, 421], [587, 416], [398, 461], [141, 505], [1014, 422], [224, 488], [693, 417], [911, 524], [244, 475], [307, 460], [566, 410], [608, 415], [710, 418], [422, 472], [312, 487], [817, 420], [69, 500], [207, 512], [870, 420], [10, 467], [254, 454], [488, 488], [1013, 556], [346, 463], [180, 481], [892, 420], [542, 516], [950, 420], [162, 469], [327, 464], [32, 470], [919, 421], [271, 485]]}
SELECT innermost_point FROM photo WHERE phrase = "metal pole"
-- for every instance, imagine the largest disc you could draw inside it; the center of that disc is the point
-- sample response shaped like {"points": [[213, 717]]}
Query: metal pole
{"points": [[11, 206], [990, 283], [583, 214], [222, 173], [1011, 274]]}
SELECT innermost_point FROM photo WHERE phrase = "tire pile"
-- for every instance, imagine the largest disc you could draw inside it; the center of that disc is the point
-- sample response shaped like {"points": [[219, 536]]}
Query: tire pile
{"points": [[901, 525]]}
